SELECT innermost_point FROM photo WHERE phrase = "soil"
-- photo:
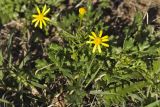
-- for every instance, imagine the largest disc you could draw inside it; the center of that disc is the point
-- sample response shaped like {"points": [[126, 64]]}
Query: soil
{"points": [[128, 8]]}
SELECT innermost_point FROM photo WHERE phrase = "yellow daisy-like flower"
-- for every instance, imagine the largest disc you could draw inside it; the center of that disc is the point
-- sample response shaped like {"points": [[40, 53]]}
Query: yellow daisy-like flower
{"points": [[82, 11], [40, 18], [97, 41]]}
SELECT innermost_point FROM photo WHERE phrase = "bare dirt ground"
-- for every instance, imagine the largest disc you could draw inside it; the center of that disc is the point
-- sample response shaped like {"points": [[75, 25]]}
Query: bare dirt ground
{"points": [[150, 9]]}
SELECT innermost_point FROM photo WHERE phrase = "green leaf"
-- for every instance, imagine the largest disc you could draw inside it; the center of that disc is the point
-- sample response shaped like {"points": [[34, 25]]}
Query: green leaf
{"points": [[128, 44], [93, 76], [156, 67], [74, 56], [154, 104], [143, 46], [1, 75], [6, 102], [1, 58], [38, 85], [66, 72], [132, 88], [55, 47], [138, 20]]}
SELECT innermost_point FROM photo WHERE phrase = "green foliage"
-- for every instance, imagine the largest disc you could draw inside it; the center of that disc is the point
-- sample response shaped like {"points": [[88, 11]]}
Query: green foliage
{"points": [[10, 9], [67, 70]]}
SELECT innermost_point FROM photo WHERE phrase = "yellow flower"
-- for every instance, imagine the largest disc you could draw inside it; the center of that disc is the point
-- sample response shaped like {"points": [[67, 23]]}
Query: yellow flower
{"points": [[82, 11], [40, 18], [97, 41]]}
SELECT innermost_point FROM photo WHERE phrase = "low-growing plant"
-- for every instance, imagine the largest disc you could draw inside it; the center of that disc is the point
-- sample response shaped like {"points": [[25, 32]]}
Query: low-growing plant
{"points": [[64, 70]]}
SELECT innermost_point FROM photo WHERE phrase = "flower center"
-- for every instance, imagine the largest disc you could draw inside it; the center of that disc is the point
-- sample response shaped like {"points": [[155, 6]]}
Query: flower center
{"points": [[40, 17], [82, 11], [97, 41]]}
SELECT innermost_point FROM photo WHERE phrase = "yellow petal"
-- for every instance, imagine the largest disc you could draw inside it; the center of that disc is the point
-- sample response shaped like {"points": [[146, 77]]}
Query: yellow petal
{"points": [[90, 42], [105, 37], [93, 34], [34, 15], [94, 48], [40, 24], [104, 40], [38, 10], [46, 11], [104, 44], [44, 22], [36, 23], [91, 37], [34, 20], [100, 33], [46, 18], [99, 49], [82, 11]]}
